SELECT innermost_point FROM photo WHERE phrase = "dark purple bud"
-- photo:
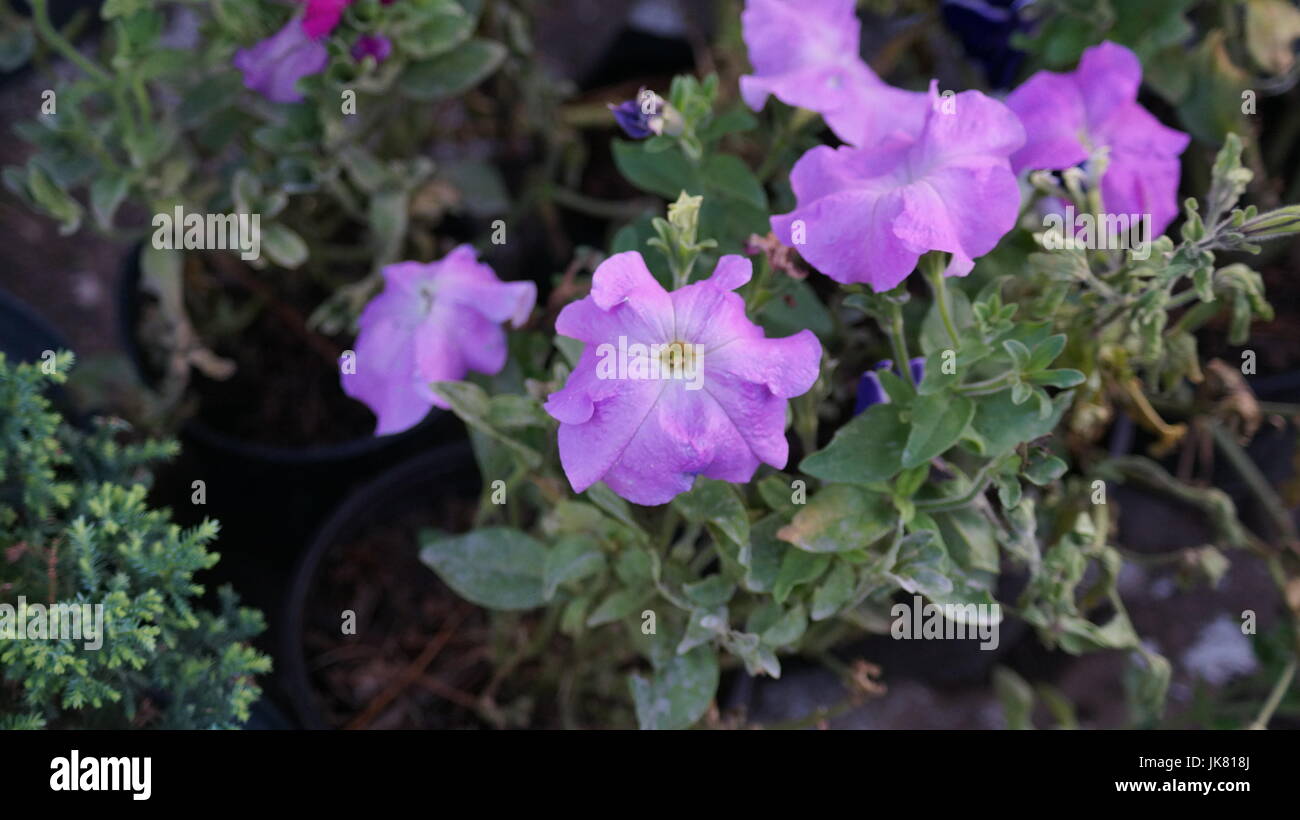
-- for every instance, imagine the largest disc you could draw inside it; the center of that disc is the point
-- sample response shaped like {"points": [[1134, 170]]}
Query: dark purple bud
{"points": [[372, 45], [870, 391]]}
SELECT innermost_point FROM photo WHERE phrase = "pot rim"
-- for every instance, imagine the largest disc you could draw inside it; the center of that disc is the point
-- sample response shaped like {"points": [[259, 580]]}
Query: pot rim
{"points": [[436, 465], [128, 315]]}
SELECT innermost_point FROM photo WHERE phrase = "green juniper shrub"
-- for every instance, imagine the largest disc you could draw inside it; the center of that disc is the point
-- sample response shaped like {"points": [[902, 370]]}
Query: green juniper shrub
{"points": [[76, 530]]}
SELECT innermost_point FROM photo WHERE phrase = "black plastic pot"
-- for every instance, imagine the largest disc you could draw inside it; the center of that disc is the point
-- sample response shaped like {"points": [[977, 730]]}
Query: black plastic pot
{"points": [[446, 472], [24, 334], [24, 337], [314, 456]]}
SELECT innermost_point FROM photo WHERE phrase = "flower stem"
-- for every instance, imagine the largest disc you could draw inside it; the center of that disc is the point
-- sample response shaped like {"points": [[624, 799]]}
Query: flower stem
{"points": [[979, 484], [988, 386], [932, 266], [56, 41], [1275, 697], [898, 341]]}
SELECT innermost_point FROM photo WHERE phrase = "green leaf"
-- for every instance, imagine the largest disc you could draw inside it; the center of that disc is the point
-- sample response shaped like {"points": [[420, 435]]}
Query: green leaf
{"points": [[679, 692], [758, 657], [430, 32], [1046, 352], [452, 73], [1213, 106], [16, 45], [938, 422], [618, 605], [1020, 356], [711, 592], [613, 505], [762, 557], [726, 175], [840, 518], [665, 174], [797, 567], [1063, 378], [922, 566], [470, 404], [866, 450], [798, 307], [1146, 684], [495, 567], [388, 222], [1002, 424], [123, 8], [703, 626], [571, 559], [1044, 468], [284, 246], [482, 190], [715, 503], [53, 200], [1017, 698], [106, 194], [834, 592], [969, 538], [788, 629]]}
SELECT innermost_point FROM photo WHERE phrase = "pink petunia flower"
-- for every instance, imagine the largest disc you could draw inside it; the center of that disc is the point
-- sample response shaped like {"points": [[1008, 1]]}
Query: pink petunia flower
{"points": [[1067, 116], [805, 53], [648, 428], [431, 323], [274, 66], [867, 215], [322, 16]]}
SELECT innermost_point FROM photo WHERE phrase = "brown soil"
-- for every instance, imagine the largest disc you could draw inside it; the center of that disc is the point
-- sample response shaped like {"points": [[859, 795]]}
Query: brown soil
{"points": [[420, 655]]}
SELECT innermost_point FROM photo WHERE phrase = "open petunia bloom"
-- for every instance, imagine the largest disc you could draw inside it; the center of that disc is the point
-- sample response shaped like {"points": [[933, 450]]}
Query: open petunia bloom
{"points": [[646, 427], [1069, 116], [805, 53], [867, 215], [274, 66], [431, 323], [322, 16]]}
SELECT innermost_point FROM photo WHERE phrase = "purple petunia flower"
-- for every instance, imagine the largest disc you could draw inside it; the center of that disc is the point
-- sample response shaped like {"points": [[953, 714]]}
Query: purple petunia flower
{"points": [[647, 429], [805, 53], [867, 215], [1067, 116], [372, 45], [870, 391], [431, 323], [273, 67]]}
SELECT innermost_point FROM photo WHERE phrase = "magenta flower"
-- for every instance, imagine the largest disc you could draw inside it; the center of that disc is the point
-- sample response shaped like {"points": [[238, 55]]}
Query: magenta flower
{"points": [[805, 53], [322, 16], [867, 215], [674, 385], [1068, 116], [273, 67], [431, 323]]}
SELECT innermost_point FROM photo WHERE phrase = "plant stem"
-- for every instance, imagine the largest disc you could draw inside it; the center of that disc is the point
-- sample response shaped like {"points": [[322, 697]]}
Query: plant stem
{"points": [[1256, 481], [987, 387], [898, 341], [1275, 697], [932, 266], [979, 484], [56, 41]]}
